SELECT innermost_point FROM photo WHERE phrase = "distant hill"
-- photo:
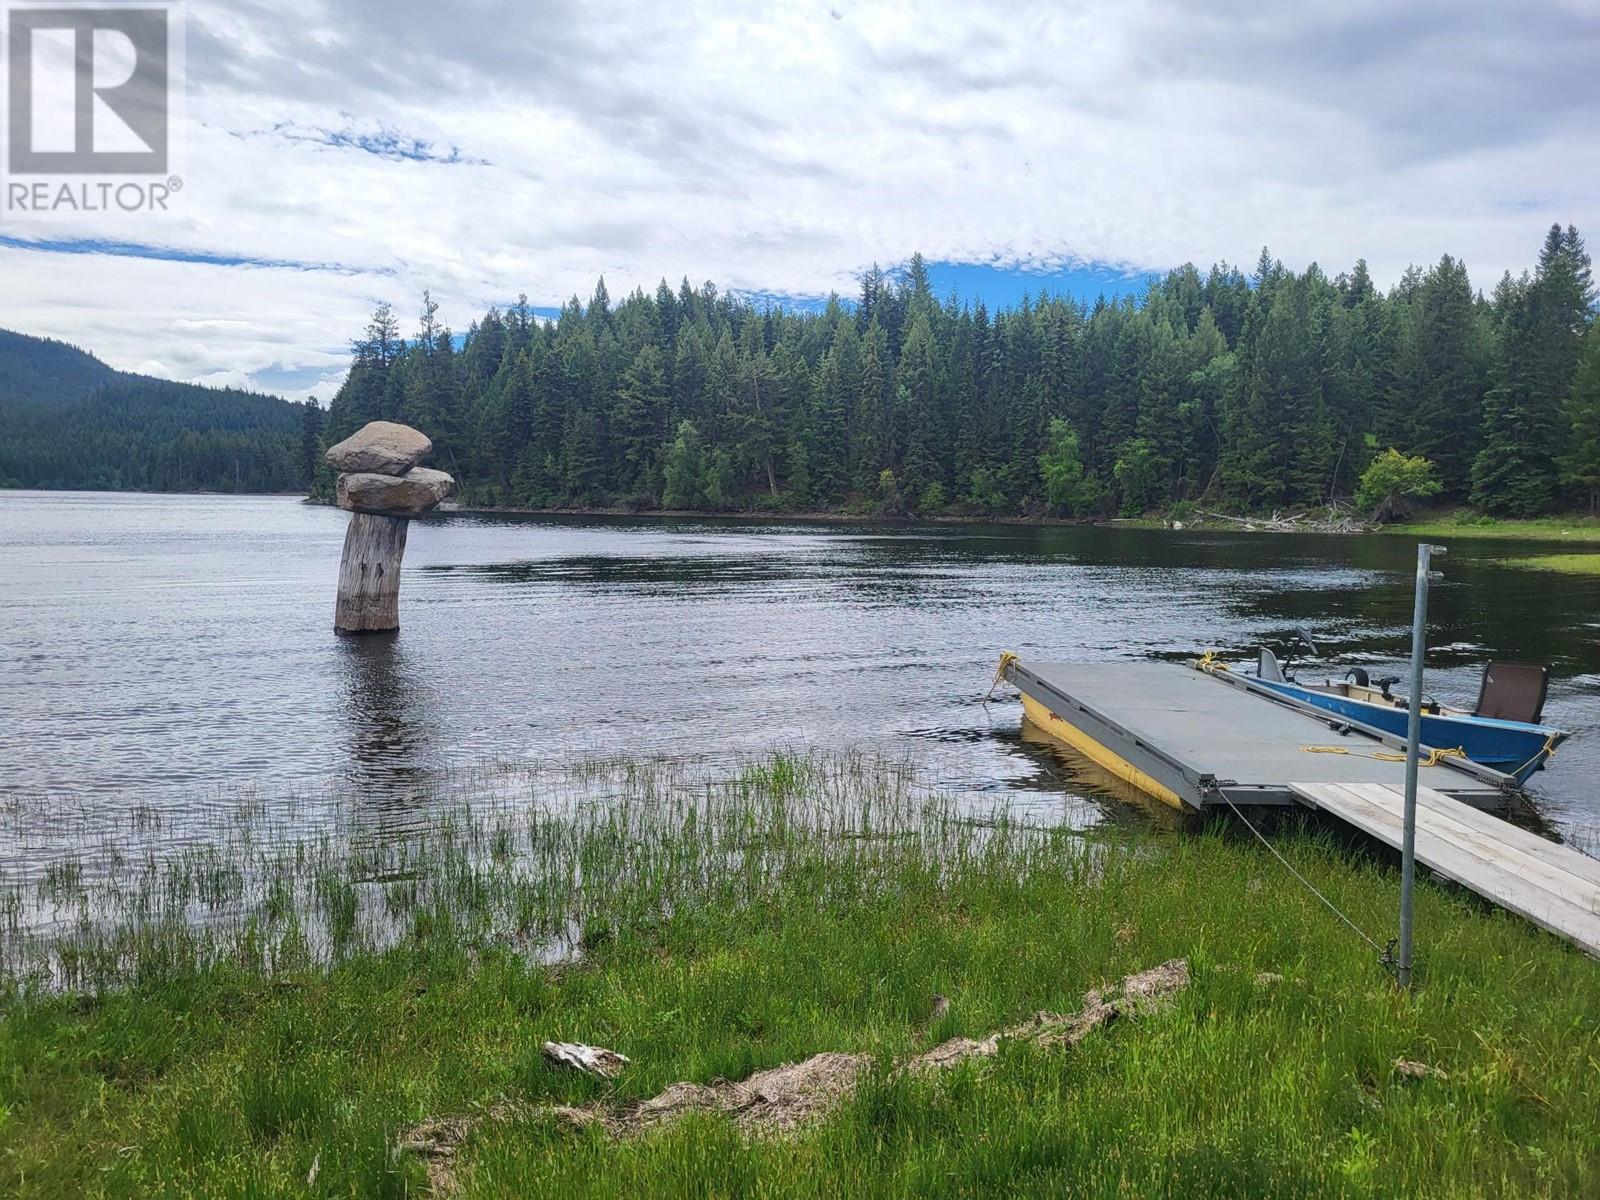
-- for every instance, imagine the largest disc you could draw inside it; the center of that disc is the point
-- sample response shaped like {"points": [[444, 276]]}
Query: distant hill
{"points": [[69, 421]]}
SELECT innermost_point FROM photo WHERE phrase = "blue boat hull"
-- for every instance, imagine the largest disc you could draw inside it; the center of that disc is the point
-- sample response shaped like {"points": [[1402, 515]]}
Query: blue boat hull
{"points": [[1511, 747]]}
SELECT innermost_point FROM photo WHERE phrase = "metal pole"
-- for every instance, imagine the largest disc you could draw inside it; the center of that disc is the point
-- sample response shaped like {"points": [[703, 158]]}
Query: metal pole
{"points": [[1408, 843]]}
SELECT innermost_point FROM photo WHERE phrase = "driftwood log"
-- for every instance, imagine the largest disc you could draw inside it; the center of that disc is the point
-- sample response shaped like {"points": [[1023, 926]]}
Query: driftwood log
{"points": [[382, 487]]}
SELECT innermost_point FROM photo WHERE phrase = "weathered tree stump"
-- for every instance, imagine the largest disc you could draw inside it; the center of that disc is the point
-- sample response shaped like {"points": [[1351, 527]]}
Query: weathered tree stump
{"points": [[383, 488], [369, 574]]}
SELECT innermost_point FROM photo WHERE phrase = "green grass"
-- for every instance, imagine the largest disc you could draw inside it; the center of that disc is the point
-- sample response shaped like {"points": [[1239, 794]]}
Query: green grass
{"points": [[1464, 523], [1567, 564], [1575, 528], [340, 990]]}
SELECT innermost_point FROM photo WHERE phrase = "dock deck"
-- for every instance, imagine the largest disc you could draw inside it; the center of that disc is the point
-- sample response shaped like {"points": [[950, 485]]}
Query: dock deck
{"points": [[1554, 886], [1195, 741]]}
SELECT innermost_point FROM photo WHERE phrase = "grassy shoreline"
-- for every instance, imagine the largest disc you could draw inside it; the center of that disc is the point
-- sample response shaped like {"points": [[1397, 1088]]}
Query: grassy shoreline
{"points": [[1575, 528], [337, 992], [1565, 564]]}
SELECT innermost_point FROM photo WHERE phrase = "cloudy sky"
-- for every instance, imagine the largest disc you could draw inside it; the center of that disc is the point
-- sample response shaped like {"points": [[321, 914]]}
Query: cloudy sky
{"points": [[341, 153]]}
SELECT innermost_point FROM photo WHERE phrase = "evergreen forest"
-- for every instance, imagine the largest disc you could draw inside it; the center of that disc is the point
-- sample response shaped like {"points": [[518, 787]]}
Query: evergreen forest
{"points": [[1254, 391]]}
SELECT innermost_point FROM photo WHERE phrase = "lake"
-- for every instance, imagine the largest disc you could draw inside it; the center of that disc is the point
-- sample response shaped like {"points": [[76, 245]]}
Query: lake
{"points": [[170, 652]]}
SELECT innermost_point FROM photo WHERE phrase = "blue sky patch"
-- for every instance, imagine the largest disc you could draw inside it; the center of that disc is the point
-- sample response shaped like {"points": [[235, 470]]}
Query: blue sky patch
{"points": [[118, 249]]}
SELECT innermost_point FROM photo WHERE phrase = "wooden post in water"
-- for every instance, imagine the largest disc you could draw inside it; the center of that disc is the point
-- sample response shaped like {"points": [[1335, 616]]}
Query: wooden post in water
{"points": [[369, 574], [383, 489]]}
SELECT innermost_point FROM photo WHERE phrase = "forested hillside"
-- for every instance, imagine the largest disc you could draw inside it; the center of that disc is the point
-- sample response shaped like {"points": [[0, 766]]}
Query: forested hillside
{"points": [[69, 421], [1257, 391]]}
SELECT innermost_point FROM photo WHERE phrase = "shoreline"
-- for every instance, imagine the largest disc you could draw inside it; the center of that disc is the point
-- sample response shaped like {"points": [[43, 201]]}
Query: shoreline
{"points": [[803, 910], [817, 516], [1575, 528]]}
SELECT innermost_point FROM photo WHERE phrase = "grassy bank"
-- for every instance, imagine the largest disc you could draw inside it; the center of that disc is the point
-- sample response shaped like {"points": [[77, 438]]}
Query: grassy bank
{"points": [[261, 1018], [1575, 528], [1566, 564]]}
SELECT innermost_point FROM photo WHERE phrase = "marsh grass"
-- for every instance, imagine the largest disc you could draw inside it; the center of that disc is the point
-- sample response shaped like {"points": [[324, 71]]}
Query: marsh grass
{"points": [[1567, 564], [261, 1018], [1463, 523]]}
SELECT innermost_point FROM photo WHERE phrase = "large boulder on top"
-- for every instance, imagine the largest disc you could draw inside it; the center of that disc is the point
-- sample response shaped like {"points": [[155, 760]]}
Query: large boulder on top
{"points": [[408, 495], [381, 446]]}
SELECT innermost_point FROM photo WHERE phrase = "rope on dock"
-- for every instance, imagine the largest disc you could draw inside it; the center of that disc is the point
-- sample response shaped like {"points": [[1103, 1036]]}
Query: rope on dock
{"points": [[1385, 953], [1432, 759]]}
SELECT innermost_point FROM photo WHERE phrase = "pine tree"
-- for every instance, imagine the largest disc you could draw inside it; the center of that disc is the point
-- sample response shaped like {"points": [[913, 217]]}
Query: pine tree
{"points": [[1442, 416], [639, 422], [520, 404], [1580, 461], [1166, 426], [1130, 363], [838, 385], [918, 407], [584, 471], [872, 434], [311, 421], [682, 469], [1541, 328], [754, 424]]}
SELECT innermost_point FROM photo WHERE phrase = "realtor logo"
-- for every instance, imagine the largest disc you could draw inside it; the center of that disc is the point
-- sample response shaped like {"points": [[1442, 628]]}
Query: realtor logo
{"points": [[90, 91]]}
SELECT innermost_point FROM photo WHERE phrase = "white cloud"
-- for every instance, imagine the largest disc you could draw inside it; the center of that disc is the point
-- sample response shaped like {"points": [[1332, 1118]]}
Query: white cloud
{"points": [[783, 148]]}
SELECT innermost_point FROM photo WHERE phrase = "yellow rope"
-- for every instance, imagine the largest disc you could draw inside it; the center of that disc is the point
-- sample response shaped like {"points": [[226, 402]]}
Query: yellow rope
{"points": [[1433, 758], [1007, 658], [1548, 751], [1208, 662]]}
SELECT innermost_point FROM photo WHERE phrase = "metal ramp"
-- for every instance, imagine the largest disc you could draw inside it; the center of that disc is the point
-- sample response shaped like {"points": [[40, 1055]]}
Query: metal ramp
{"points": [[1551, 885]]}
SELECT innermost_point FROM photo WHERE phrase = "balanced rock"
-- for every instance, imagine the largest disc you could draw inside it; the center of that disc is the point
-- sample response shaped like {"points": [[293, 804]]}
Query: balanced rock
{"points": [[382, 447], [409, 495]]}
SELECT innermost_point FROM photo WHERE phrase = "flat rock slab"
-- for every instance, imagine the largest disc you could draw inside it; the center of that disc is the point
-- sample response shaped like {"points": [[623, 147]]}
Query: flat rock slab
{"points": [[409, 495], [383, 447]]}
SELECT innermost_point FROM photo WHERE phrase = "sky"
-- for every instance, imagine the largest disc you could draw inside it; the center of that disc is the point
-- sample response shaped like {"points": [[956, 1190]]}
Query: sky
{"points": [[338, 153]]}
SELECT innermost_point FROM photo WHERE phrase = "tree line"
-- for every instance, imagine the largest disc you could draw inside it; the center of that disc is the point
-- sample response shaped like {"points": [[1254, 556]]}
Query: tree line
{"points": [[69, 421], [1257, 392]]}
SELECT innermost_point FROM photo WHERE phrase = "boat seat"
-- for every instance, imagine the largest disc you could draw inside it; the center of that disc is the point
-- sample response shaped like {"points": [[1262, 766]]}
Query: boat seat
{"points": [[1513, 692], [1267, 666]]}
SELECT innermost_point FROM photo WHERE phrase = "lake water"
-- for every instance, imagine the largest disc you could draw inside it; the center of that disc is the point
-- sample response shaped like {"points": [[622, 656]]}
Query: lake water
{"points": [[168, 652]]}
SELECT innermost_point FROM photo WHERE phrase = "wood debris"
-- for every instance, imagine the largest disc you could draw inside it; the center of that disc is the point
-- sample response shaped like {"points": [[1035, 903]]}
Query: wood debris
{"points": [[1408, 1069], [781, 1099], [1335, 518], [591, 1060]]}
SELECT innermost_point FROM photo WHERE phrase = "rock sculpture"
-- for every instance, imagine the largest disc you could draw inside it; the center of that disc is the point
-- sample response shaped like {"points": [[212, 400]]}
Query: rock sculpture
{"points": [[383, 488]]}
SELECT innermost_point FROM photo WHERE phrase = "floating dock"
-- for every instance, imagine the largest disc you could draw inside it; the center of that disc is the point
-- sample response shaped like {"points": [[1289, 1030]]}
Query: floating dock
{"points": [[1197, 740], [1194, 740]]}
